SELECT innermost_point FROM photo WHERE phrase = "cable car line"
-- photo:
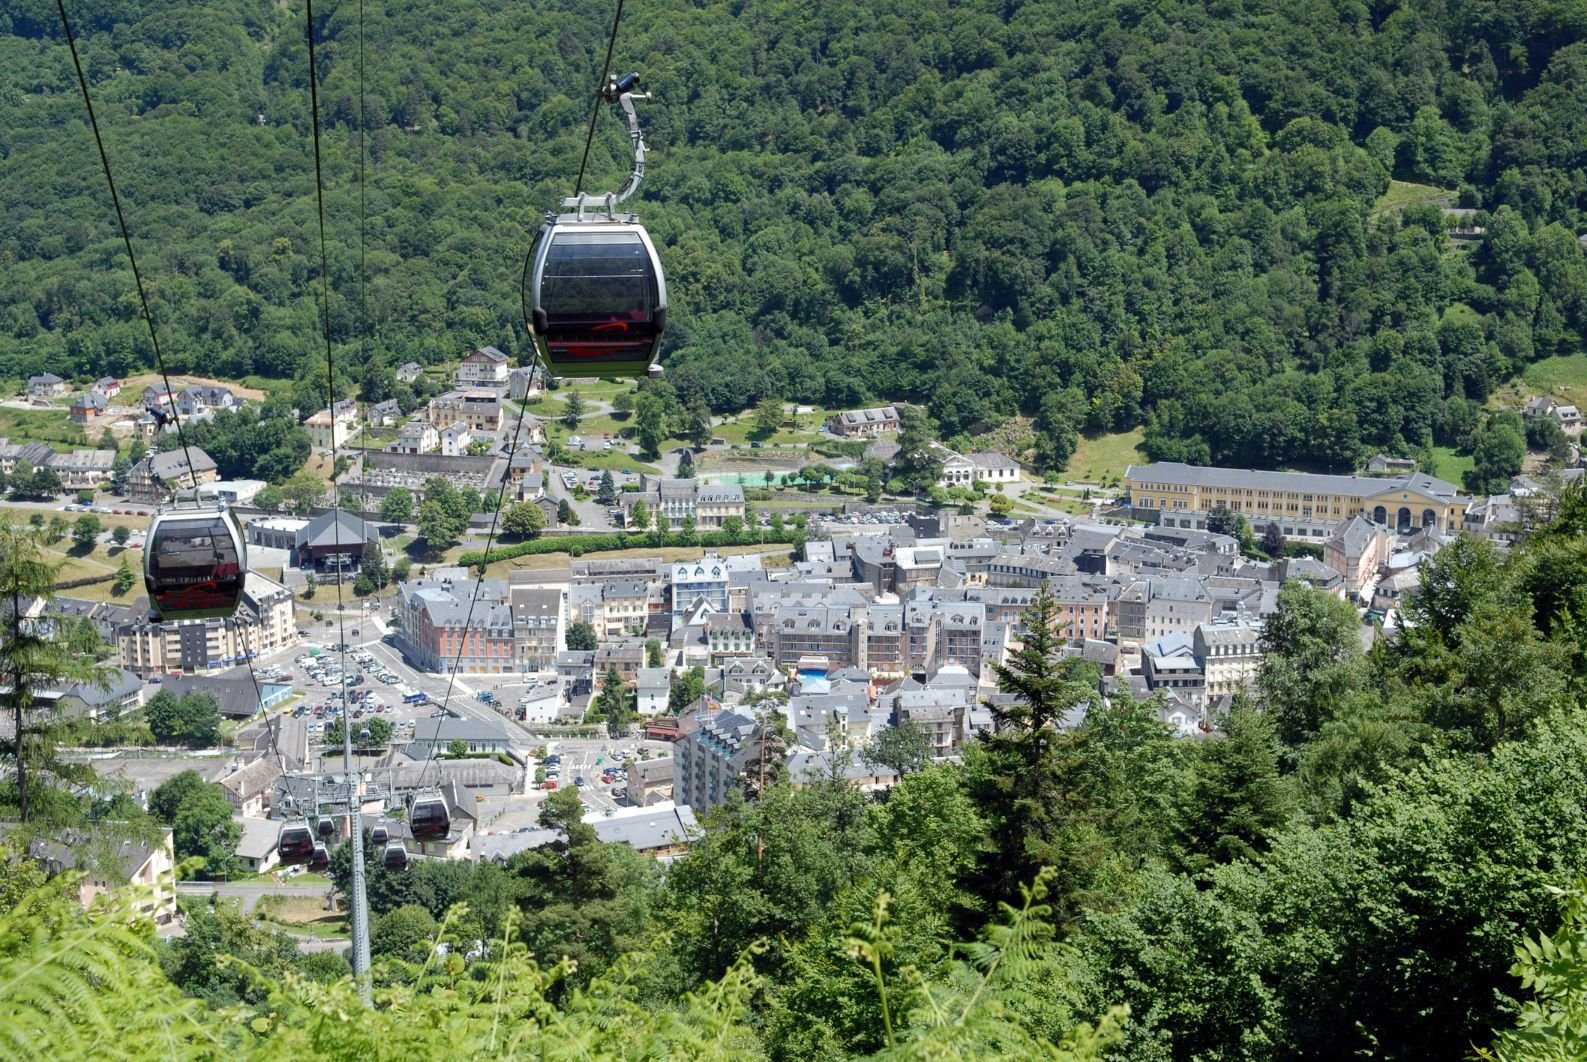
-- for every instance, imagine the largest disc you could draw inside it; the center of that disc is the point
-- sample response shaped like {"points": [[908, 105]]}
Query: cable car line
{"points": [[126, 239], [360, 911], [195, 558], [154, 339], [595, 111], [604, 94]]}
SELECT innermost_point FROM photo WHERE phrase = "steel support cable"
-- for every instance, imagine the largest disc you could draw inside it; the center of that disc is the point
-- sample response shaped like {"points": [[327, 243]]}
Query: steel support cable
{"points": [[148, 319], [360, 911], [595, 112], [126, 238], [272, 727], [578, 186]]}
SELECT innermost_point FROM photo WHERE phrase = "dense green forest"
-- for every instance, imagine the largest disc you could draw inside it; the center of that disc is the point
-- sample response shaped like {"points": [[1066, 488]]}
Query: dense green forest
{"points": [[1379, 852], [1098, 214]]}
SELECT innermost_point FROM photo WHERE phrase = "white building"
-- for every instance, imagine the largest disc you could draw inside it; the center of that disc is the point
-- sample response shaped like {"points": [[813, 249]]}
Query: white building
{"points": [[416, 437], [655, 687], [455, 440], [328, 428], [1230, 651], [485, 367]]}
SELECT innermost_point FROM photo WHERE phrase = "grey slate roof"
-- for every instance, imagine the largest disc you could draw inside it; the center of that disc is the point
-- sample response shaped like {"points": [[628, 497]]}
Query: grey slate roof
{"points": [[336, 527], [172, 464], [1353, 537], [122, 683], [1180, 474]]}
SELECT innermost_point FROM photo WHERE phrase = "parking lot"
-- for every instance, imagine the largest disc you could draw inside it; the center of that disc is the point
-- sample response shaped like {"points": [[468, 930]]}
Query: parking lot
{"points": [[601, 764], [356, 685]]}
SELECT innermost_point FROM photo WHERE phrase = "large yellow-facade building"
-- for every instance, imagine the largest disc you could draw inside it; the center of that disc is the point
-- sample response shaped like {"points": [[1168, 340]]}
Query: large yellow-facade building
{"points": [[1403, 503]]}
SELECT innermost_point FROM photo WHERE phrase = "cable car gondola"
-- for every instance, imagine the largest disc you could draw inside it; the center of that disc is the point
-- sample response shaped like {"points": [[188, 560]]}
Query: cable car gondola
{"points": [[596, 291], [194, 561], [600, 298], [395, 857], [379, 835], [327, 826], [320, 859], [428, 818], [295, 844]]}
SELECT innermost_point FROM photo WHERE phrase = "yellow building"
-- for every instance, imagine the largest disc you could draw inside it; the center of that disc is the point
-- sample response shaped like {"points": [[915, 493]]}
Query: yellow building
{"points": [[1181, 492]]}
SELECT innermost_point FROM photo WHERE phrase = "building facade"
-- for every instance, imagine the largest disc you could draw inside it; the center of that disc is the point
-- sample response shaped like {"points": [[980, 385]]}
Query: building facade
{"points": [[709, 761], [1180, 492], [439, 631], [152, 479], [484, 367], [864, 423], [477, 410], [263, 623]]}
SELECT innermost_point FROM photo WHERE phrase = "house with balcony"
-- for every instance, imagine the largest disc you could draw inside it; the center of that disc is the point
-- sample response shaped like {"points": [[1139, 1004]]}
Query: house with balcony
{"points": [[484, 367]]}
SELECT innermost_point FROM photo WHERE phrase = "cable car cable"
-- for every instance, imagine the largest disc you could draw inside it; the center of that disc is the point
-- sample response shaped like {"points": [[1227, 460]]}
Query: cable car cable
{"points": [[126, 239], [360, 905], [595, 111], [578, 185], [479, 583]]}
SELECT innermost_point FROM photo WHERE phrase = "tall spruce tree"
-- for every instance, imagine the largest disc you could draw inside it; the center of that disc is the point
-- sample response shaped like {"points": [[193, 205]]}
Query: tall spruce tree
{"points": [[33, 659]]}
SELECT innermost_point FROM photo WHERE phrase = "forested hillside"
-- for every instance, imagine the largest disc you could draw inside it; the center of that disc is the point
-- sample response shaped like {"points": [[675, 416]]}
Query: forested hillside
{"points": [[1098, 214]]}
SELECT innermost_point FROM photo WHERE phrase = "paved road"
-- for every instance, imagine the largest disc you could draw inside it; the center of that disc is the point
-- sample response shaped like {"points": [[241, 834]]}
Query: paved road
{"points": [[249, 892]]}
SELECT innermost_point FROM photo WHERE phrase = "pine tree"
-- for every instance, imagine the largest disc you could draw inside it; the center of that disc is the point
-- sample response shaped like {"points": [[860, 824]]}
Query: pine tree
{"points": [[32, 660], [1237, 800]]}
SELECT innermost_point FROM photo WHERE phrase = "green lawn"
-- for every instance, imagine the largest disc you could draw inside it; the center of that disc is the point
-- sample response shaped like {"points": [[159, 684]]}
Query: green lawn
{"points": [[1563, 378], [52, 426], [1450, 466], [541, 561], [1402, 194], [1102, 457], [616, 460]]}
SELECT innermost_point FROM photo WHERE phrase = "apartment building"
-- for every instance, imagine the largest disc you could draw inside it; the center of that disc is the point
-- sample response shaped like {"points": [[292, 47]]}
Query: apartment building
{"points": [[478, 410], [624, 608], [83, 469], [1230, 652], [694, 581], [438, 630], [681, 499], [812, 634], [483, 367], [153, 479], [1356, 550], [263, 623], [709, 761], [537, 626]]}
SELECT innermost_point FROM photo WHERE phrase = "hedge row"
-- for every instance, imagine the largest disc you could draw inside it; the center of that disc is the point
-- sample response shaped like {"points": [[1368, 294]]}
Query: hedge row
{"points": [[87, 580], [578, 545]]}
